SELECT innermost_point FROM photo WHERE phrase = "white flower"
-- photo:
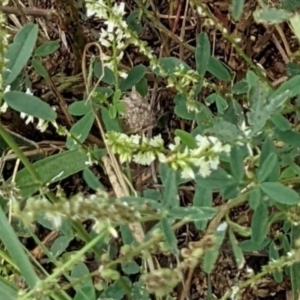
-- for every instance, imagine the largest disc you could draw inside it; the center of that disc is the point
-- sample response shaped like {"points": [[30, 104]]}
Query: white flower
{"points": [[217, 147], [119, 10], [135, 139], [214, 163], [202, 142], [3, 107], [177, 143], [28, 91], [110, 25], [204, 167], [123, 74], [162, 157], [28, 118], [222, 227], [42, 125], [144, 158], [187, 173], [125, 157], [156, 141], [7, 89], [246, 129], [104, 42]]}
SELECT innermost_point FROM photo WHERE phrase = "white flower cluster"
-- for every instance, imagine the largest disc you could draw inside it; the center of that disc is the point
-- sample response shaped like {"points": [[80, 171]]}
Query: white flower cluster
{"points": [[115, 34], [137, 148], [200, 160], [204, 158]]}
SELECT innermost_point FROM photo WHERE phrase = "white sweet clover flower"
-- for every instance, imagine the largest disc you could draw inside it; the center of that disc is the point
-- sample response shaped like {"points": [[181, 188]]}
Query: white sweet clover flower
{"points": [[135, 148], [201, 160], [114, 35], [42, 125]]}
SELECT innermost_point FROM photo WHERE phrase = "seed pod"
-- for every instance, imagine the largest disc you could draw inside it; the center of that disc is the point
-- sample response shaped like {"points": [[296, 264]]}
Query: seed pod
{"points": [[138, 114]]}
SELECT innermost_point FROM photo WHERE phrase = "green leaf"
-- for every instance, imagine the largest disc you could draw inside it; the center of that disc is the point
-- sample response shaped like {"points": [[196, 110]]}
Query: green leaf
{"points": [[202, 198], [273, 256], [8, 291], [47, 48], [220, 102], [269, 147], [117, 96], [289, 137], [60, 245], [216, 68], [231, 191], [91, 180], [139, 292], [211, 254], [112, 111], [186, 138], [218, 179], [280, 122], [105, 92], [225, 131], [237, 162], [204, 118], [133, 22], [237, 251], [19, 52], [192, 213], [237, 8], [15, 249], [250, 246], [85, 293], [130, 268], [259, 223], [115, 291], [240, 88], [181, 108], [30, 105], [170, 65], [170, 196], [108, 77], [255, 198], [110, 124], [202, 53], [79, 108], [292, 85], [39, 68], [258, 115], [267, 167], [291, 5], [142, 87], [169, 235], [80, 130], [280, 193], [271, 15], [82, 271], [252, 79], [51, 169], [134, 76]]}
